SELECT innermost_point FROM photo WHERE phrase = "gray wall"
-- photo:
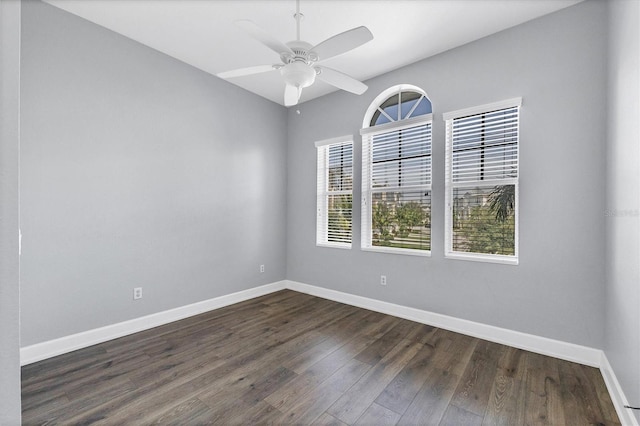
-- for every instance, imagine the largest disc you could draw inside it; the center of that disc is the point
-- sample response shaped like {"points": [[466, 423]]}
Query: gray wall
{"points": [[138, 171], [556, 64], [9, 166], [622, 342]]}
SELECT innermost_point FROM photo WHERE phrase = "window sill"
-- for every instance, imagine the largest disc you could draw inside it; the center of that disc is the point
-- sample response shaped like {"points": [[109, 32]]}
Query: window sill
{"points": [[487, 258], [404, 252], [337, 246]]}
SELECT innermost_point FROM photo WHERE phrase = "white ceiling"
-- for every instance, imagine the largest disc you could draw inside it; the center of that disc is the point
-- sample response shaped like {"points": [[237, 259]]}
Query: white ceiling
{"points": [[202, 33]]}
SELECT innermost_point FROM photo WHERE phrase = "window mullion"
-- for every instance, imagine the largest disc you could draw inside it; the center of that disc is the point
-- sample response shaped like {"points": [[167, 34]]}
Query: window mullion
{"points": [[413, 108]]}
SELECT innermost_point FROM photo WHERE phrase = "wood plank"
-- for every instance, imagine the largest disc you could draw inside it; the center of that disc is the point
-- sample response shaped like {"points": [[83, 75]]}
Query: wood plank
{"points": [[303, 386], [318, 373], [508, 392], [308, 409], [346, 376], [192, 411], [431, 402], [86, 407], [580, 402], [238, 399], [471, 394], [382, 346], [399, 393], [309, 406], [456, 416], [147, 401], [543, 400], [259, 413], [69, 379], [336, 338], [357, 399], [378, 415], [61, 363], [327, 420], [264, 387], [220, 316], [594, 377], [46, 403]]}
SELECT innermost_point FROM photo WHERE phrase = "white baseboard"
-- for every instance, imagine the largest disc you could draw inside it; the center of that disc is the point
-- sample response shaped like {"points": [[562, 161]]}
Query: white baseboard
{"points": [[51, 348], [542, 345], [529, 342], [617, 395]]}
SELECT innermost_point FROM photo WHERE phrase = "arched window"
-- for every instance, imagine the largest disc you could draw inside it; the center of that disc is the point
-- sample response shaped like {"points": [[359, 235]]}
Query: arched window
{"points": [[396, 104], [396, 172]]}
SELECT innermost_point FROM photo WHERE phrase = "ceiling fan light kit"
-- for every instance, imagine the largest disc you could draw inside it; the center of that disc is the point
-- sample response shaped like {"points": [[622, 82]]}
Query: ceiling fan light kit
{"points": [[298, 74], [298, 68]]}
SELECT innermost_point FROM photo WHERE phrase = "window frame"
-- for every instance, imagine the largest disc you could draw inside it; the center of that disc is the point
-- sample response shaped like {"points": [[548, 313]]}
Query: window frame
{"points": [[323, 193], [450, 185], [367, 133]]}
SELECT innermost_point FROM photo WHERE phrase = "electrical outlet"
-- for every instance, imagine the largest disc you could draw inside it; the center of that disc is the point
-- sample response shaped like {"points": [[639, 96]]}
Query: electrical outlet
{"points": [[137, 293], [383, 280], [261, 269]]}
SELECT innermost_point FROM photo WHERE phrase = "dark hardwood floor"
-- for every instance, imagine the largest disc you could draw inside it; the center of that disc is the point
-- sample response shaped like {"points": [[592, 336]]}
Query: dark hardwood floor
{"points": [[293, 358]]}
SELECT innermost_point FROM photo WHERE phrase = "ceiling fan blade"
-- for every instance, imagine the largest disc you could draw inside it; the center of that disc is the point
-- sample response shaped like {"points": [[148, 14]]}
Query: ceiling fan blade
{"points": [[246, 71], [291, 95], [342, 43], [341, 80], [263, 37]]}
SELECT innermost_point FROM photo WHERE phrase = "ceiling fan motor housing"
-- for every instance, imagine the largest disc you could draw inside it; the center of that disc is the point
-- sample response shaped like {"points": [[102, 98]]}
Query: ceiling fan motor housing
{"points": [[301, 53]]}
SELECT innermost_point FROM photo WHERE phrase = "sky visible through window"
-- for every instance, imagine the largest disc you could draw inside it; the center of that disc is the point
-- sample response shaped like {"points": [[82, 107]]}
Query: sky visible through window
{"points": [[412, 104]]}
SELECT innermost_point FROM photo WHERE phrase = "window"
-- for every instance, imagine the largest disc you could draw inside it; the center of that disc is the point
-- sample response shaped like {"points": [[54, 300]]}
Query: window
{"points": [[335, 192], [482, 182], [396, 173]]}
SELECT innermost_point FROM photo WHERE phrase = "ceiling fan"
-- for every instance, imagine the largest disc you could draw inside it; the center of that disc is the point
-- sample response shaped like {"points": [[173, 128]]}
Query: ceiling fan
{"points": [[300, 60]]}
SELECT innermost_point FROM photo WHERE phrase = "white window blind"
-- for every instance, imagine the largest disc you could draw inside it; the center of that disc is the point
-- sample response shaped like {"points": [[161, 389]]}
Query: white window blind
{"points": [[396, 182], [482, 145], [335, 192]]}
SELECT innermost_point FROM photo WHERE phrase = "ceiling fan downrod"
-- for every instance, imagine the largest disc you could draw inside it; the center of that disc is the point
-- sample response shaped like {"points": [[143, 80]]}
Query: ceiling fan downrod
{"points": [[298, 17]]}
